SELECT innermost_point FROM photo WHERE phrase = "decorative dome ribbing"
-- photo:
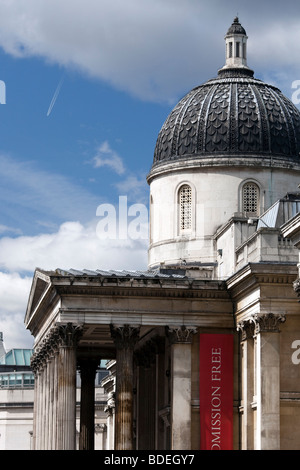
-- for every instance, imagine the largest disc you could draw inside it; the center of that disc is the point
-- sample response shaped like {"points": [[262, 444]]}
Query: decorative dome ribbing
{"points": [[233, 114]]}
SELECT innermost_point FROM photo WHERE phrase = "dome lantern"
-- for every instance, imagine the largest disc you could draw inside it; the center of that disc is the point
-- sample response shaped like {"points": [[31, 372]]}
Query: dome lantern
{"points": [[236, 48]]}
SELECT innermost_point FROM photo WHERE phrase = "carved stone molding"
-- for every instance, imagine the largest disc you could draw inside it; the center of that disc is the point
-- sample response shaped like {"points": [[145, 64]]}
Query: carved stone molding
{"points": [[125, 337], [59, 336], [259, 323], [296, 285], [181, 334], [101, 427], [246, 327], [111, 404], [69, 334], [268, 322], [164, 414]]}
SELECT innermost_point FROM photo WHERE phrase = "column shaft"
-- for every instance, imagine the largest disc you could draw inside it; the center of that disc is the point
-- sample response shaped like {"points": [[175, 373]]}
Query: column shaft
{"points": [[54, 365], [125, 339], [88, 369], [66, 435], [247, 385]]}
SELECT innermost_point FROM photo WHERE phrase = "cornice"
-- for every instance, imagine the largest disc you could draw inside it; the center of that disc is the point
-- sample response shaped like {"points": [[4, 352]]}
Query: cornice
{"points": [[191, 289], [190, 162], [261, 274]]}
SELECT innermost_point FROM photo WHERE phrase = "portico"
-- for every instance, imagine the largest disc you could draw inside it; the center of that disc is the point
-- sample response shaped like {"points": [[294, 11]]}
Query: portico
{"points": [[149, 323]]}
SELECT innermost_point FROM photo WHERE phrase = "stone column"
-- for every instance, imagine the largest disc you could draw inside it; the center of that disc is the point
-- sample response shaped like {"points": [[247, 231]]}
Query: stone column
{"points": [[247, 384], [43, 403], [36, 405], [146, 395], [66, 382], [160, 381], [110, 413], [38, 367], [125, 338], [87, 367], [181, 363], [54, 366], [267, 380]]}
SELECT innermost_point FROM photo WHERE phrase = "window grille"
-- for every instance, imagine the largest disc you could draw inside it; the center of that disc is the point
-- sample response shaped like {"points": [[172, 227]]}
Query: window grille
{"points": [[237, 49], [251, 198], [230, 49], [185, 204]]}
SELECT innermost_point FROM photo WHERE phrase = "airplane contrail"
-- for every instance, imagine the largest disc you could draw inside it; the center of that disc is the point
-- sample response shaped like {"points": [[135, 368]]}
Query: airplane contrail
{"points": [[55, 96]]}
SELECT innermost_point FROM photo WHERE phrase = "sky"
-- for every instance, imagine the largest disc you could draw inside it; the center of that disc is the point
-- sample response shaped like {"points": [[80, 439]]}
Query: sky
{"points": [[84, 90]]}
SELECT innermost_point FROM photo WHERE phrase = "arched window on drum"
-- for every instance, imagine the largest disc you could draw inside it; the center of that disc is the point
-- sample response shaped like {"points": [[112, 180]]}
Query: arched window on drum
{"points": [[185, 208], [250, 199]]}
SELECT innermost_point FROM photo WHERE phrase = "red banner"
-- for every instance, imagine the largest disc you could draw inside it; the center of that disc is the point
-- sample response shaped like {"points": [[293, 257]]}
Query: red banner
{"points": [[216, 391]]}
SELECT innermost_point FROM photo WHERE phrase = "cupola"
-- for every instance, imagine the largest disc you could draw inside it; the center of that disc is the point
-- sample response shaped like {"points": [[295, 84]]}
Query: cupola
{"points": [[236, 48]]}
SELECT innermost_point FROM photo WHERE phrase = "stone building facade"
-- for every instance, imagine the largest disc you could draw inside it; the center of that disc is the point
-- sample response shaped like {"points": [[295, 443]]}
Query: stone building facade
{"points": [[204, 343]]}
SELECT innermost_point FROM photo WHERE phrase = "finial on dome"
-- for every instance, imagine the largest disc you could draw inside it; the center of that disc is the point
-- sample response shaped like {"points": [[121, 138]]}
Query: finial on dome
{"points": [[236, 27], [236, 48]]}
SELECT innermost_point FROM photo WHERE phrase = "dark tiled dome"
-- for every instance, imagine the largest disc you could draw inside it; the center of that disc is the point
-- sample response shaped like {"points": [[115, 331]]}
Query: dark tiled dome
{"points": [[236, 28], [234, 114]]}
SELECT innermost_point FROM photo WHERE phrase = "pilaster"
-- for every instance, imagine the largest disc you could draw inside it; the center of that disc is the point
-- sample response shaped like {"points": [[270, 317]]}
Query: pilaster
{"points": [[180, 339], [264, 422], [246, 328], [267, 361]]}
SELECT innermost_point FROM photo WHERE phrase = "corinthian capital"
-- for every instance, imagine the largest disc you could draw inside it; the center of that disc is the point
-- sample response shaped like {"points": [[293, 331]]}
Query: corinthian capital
{"points": [[69, 334], [268, 322], [125, 336], [181, 334], [246, 327]]}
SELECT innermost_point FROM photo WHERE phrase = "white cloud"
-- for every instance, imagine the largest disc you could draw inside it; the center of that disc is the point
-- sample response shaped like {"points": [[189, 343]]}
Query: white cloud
{"points": [[72, 246], [14, 291], [5, 229], [106, 156], [154, 50], [123, 43], [136, 188]]}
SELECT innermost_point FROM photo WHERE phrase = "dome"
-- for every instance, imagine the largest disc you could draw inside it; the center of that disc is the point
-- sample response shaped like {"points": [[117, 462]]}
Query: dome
{"points": [[236, 28], [233, 114]]}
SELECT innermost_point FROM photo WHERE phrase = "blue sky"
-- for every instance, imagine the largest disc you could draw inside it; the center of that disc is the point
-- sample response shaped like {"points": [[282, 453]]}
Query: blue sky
{"points": [[88, 87]]}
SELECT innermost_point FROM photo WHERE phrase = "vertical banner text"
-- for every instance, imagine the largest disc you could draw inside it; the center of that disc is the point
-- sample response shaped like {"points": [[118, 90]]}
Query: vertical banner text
{"points": [[216, 391]]}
